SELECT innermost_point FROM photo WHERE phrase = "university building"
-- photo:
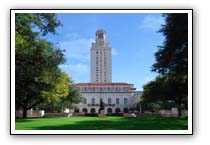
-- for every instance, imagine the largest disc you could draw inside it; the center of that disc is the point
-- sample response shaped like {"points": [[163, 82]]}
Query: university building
{"points": [[116, 96]]}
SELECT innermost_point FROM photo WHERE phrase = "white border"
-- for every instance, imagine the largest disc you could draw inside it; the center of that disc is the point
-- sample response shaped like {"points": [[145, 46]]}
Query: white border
{"points": [[189, 131]]}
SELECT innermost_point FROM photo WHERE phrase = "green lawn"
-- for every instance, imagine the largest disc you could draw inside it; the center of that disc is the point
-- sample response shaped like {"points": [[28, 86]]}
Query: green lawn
{"points": [[96, 123]]}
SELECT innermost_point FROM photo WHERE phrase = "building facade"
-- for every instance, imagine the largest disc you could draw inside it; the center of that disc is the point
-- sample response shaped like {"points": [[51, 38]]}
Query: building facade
{"points": [[116, 96], [101, 61]]}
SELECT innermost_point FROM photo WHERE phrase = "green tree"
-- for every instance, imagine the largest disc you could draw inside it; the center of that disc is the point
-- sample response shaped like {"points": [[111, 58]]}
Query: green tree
{"points": [[73, 97], [59, 89], [171, 63], [172, 57], [36, 60], [164, 88], [63, 95]]}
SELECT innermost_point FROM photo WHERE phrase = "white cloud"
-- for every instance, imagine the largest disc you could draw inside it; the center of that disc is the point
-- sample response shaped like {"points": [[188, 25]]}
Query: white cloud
{"points": [[114, 52], [151, 22], [76, 70], [81, 68], [77, 48]]}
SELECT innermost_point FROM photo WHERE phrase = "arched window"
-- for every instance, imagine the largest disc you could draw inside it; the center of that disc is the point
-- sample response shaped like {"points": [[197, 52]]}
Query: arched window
{"points": [[117, 110], [84, 110], [125, 110], [93, 110], [109, 110]]}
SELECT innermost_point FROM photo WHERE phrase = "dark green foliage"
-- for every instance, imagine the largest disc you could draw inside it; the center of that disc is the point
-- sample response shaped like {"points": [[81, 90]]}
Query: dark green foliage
{"points": [[155, 106], [44, 23], [73, 97], [36, 60], [92, 114], [173, 55], [115, 114], [171, 64]]}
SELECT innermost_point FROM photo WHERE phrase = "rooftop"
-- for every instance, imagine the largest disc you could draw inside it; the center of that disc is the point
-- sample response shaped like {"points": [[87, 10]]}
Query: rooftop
{"points": [[103, 84]]}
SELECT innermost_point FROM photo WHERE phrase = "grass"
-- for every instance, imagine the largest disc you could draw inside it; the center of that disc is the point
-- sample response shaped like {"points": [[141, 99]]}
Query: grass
{"points": [[96, 123]]}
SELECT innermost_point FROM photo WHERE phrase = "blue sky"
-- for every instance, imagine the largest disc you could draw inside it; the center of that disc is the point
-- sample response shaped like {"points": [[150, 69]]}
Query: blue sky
{"points": [[133, 38]]}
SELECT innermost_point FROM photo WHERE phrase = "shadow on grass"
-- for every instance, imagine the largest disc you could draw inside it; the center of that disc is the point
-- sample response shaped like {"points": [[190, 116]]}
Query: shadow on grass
{"points": [[122, 124]]}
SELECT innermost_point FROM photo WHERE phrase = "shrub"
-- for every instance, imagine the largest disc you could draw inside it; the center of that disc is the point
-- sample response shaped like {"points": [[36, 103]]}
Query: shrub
{"points": [[92, 114], [115, 114]]}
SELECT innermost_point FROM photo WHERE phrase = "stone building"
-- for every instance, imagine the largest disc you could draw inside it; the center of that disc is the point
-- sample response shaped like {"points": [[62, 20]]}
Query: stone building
{"points": [[116, 96], [101, 60]]}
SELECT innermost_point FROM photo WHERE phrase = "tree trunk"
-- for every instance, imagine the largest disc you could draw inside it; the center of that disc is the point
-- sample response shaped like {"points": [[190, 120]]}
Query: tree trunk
{"points": [[179, 112], [179, 108], [24, 113]]}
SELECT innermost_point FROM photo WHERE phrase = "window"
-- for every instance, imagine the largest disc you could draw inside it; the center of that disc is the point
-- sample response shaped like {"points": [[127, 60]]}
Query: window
{"points": [[101, 100], [100, 35], [125, 100], [109, 101], [93, 101], [85, 101], [117, 101]]}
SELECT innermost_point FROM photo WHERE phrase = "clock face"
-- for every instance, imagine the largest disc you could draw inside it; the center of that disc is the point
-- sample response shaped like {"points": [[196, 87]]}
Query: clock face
{"points": [[100, 36]]}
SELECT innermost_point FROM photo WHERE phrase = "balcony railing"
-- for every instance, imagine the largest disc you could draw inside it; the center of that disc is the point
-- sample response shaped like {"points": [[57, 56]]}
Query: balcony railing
{"points": [[99, 104]]}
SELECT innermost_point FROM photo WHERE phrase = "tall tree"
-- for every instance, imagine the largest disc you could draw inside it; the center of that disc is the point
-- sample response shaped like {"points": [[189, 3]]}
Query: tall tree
{"points": [[59, 89], [172, 57], [63, 95], [36, 60], [171, 62], [73, 97]]}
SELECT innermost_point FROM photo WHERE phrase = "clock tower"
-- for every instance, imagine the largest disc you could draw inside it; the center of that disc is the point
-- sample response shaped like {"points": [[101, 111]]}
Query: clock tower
{"points": [[101, 63]]}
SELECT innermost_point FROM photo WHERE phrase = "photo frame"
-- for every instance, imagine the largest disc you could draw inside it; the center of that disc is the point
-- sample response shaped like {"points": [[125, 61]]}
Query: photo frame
{"points": [[14, 131]]}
